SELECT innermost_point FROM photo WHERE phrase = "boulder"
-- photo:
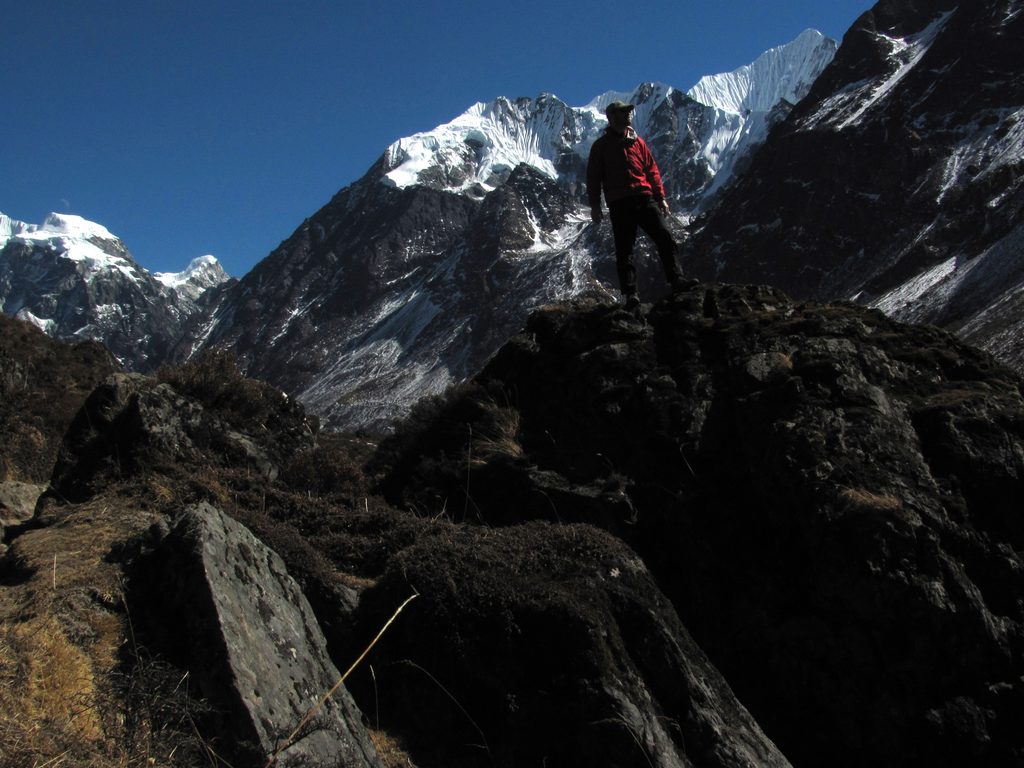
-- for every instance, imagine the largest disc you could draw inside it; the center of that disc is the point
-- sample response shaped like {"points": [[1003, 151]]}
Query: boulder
{"points": [[18, 501], [17, 505], [546, 644], [829, 498], [132, 424], [226, 606]]}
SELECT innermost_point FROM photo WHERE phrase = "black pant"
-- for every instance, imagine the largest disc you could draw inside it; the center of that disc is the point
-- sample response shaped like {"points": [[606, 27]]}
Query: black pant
{"points": [[628, 214]]}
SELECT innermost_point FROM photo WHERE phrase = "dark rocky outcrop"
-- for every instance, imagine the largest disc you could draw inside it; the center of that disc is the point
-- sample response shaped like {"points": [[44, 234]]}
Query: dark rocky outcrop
{"points": [[227, 608], [543, 644], [204, 414], [43, 383], [155, 633], [829, 498], [730, 529]]}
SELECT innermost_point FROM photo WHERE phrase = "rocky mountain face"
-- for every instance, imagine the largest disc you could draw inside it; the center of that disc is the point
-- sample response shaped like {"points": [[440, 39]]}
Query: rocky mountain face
{"points": [[409, 279], [731, 529], [828, 499], [897, 182], [74, 280]]}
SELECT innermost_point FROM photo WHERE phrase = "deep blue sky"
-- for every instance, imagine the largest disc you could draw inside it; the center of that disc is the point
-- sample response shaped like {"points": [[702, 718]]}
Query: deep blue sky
{"points": [[191, 127]]}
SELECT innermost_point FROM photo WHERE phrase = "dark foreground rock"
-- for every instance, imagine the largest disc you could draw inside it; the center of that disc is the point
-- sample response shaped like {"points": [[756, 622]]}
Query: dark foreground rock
{"points": [[43, 383], [204, 415], [830, 499], [811, 552], [224, 604], [547, 645]]}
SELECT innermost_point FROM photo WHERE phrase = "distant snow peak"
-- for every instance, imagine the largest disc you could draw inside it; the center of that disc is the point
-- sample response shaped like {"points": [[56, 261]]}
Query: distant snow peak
{"points": [[75, 280], [198, 265], [481, 145], [785, 72], [56, 226], [474, 153], [202, 273], [74, 226]]}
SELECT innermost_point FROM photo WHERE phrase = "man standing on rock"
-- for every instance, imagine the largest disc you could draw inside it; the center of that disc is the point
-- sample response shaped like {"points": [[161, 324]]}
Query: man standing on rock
{"points": [[622, 164]]}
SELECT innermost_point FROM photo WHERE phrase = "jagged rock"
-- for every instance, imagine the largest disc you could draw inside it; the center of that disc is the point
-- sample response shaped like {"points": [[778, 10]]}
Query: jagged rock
{"points": [[132, 424], [17, 503], [43, 383], [830, 499], [543, 644], [227, 604], [127, 423]]}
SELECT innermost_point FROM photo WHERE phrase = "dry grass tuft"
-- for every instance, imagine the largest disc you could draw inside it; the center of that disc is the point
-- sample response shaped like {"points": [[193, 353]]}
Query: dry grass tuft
{"points": [[497, 435], [63, 672], [390, 750], [47, 691], [867, 501]]}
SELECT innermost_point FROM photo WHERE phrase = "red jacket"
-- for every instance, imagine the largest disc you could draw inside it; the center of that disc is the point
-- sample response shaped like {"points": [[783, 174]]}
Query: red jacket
{"points": [[624, 166]]}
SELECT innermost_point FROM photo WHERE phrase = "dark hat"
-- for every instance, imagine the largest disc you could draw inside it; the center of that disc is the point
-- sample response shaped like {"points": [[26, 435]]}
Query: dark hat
{"points": [[618, 106]]}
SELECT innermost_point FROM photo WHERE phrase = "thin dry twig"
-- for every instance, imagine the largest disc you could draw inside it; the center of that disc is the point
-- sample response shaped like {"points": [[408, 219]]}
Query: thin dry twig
{"points": [[341, 680]]}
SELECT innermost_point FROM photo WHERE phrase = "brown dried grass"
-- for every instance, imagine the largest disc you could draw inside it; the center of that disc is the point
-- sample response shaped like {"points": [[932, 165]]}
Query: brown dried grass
{"points": [[63, 627], [390, 750], [868, 501]]}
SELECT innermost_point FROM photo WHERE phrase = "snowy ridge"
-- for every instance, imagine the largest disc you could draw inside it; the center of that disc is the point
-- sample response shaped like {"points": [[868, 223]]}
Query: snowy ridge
{"points": [[74, 226], [785, 72], [63, 224], [55, 226], [91, 246], [10, 227], [744, 99], [474, 153], [484, 143], [202, 273]]}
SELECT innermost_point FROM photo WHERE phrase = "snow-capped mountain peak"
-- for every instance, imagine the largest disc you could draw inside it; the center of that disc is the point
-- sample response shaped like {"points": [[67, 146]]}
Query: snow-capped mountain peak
{"points": [[202, 273], [785, 72], [55, 225], [727, 114], [89, 245], [477, 150], [74, 226], [75, 279]]}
